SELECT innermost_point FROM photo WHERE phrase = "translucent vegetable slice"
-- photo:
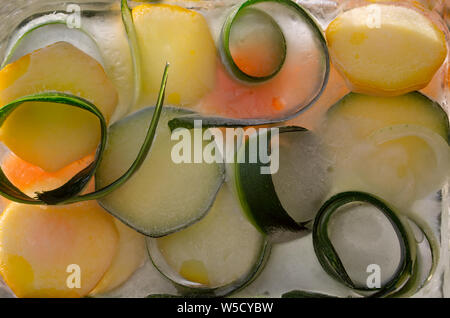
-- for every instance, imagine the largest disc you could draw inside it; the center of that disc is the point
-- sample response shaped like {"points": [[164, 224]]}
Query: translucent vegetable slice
{"points": [[167, 194], [407, 159], [218, 255]]}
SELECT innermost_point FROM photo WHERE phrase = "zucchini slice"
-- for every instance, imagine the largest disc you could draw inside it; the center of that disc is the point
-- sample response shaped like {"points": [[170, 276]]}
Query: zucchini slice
{"points": [[435, 171], [427, 258], [361, 114], [395, 147], [385, 49], [361, 235], [281, 203], [164, 196], [218, 255]]}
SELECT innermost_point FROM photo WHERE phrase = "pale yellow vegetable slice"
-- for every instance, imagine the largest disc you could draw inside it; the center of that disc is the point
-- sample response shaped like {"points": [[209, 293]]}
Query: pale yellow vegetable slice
{"points": [[220, 253], [169, 33], [406, 164], [58, 251], [386, 49]]}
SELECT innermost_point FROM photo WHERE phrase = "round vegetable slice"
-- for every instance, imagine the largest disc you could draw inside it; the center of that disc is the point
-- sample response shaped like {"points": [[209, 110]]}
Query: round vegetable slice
{"points": [[386, 49], [282, 193], [43, 248], [215, 257], [360, 115], [424, 178], [395, 147], [169, 192]]}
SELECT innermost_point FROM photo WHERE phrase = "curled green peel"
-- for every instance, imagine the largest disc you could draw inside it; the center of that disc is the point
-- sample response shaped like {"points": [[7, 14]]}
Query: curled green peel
{"points": [[234, 18], [328, 256], [406, 280], [127, 20]]}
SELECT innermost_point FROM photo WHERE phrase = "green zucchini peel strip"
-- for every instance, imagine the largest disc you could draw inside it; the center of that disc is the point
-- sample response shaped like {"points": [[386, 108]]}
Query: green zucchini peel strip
{"points": [[127, 20], [188, 121]]}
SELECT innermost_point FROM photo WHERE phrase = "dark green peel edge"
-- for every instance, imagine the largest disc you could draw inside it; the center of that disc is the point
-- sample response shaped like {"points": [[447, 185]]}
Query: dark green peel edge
{"points": [[305, 294]]}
